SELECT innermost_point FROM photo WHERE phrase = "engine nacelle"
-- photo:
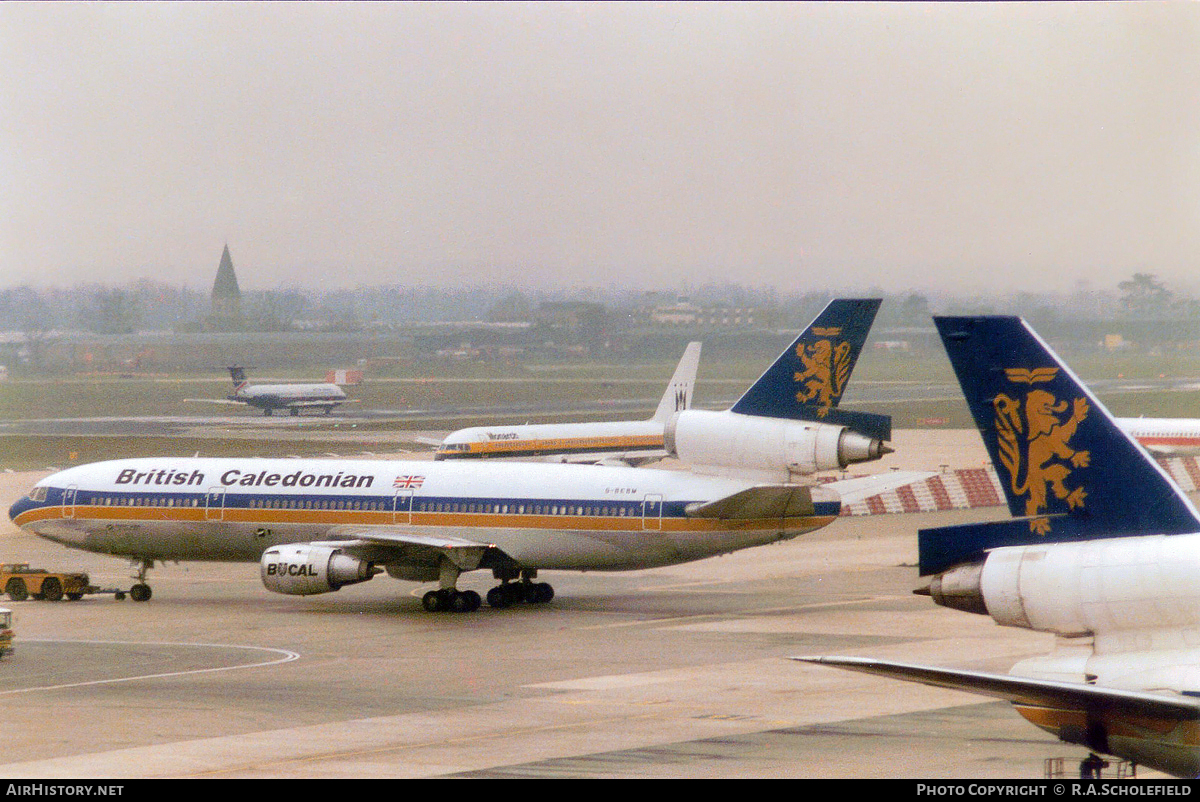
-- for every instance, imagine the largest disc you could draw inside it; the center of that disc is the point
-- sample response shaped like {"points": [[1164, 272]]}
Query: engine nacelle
{"points": [[756, 444], [303, 569], [1093, 587]]}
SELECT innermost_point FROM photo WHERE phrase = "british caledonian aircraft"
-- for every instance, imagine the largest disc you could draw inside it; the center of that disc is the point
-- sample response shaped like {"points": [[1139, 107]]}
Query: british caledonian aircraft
{"points": [[318, 525], [632, 442], [786, 425], [292, 397], [1103, 551]]}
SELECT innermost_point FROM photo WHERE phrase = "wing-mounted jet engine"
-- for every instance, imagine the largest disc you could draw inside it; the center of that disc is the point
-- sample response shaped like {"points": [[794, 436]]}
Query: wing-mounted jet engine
{"points": [[305, 569]]}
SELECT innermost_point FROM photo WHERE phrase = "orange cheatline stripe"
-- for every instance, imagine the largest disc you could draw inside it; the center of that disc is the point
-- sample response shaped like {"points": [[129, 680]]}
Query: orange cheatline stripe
{"points": [[629, 523]]}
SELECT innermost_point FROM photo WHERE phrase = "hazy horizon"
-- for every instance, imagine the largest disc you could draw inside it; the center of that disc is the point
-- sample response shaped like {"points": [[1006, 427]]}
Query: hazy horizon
{"points": [[952, 147]]}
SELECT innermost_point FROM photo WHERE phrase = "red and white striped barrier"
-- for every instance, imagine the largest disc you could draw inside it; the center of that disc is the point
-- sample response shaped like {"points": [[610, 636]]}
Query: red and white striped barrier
{"points": [[968, 488]]}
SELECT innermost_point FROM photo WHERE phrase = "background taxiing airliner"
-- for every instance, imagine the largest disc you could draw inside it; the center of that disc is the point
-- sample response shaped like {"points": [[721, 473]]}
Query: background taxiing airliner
{"points": [[787, 424], [292, 397], [1103, 551], [629, 442]]}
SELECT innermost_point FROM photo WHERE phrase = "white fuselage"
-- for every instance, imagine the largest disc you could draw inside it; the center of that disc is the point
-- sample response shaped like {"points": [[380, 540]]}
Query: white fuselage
{"points": [[542, 516], [281, 396], [1173, 437], [569, 440]]}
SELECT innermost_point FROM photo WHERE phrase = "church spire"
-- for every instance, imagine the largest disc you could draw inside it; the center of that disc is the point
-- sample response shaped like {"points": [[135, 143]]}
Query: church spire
{"points": [[226, 297]]}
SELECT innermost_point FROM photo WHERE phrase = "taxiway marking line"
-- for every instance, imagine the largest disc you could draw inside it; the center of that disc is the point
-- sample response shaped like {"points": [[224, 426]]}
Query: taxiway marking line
{"points": [[287, 657]]}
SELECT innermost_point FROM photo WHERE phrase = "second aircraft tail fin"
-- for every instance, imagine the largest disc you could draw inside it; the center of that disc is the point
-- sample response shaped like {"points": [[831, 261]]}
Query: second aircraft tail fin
{"points": [[807, 381], [238, 374], [678, 395], [1067, 470]]}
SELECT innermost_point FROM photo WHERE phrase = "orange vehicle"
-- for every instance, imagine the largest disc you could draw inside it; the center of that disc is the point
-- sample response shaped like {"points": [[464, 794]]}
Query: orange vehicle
{"points": [[20, 582]]}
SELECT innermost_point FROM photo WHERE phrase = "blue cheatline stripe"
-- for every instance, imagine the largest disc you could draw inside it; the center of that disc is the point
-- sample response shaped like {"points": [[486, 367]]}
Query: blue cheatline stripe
{"points": [[232, 501]]}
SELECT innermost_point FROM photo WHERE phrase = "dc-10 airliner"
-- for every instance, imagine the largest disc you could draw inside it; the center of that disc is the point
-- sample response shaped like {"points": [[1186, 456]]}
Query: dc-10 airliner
{"points": [[318, 525], [1102, 551]]}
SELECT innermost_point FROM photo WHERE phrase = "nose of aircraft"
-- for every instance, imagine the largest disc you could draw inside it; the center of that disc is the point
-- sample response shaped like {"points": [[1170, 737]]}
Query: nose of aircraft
{"points": [[18, 507]]}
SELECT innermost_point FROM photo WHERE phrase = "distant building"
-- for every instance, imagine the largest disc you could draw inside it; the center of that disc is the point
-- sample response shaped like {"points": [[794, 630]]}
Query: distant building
{"points": [[226, 314], [685, 313]]}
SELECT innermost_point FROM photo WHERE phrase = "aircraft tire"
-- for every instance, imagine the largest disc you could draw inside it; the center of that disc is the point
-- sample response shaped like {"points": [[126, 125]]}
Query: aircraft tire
{"points": [[468, 601], [435, 601], [16, 590], [500, 597], [52, 590], [140, 592]]}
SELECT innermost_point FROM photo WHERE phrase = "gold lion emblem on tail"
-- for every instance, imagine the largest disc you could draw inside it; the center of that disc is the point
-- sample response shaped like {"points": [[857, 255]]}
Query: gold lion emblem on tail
{"points": [[826, 370], [1034, 445]]}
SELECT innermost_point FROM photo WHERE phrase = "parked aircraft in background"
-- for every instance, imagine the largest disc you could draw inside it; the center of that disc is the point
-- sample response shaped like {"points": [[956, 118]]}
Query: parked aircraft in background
{"points": [[630, 442], [292, 397], [1103, 551], [787, 425], [1166, 437]]}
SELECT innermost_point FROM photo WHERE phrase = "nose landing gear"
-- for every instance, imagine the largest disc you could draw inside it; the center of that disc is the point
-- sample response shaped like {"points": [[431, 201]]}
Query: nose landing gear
{"points": [[141, 592]]}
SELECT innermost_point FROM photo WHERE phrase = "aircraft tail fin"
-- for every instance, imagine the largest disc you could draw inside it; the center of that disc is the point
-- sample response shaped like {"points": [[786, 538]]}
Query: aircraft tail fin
{"points": [[678, 395], [238, 374], [1068, 471], [807, 381]]}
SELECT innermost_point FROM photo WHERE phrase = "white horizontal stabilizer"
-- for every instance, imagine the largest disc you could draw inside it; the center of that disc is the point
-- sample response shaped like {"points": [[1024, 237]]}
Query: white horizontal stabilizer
{"points": [[852, 491]]}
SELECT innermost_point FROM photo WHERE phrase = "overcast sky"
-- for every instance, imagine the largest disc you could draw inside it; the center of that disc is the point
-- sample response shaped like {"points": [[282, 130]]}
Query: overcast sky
{"points": [[1022, 146]]}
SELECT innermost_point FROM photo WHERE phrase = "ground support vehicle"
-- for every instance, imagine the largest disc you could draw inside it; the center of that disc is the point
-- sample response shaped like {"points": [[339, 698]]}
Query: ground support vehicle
{"points": [[21, 582]]}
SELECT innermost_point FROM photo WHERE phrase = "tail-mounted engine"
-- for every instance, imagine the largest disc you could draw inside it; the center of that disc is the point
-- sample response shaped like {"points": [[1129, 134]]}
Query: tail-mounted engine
{"points": [[303, 569], [759, 444], [1084, 588]]}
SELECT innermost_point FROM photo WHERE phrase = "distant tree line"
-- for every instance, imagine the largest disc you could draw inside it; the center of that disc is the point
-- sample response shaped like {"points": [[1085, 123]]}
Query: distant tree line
{"points": [[1143, 303]]}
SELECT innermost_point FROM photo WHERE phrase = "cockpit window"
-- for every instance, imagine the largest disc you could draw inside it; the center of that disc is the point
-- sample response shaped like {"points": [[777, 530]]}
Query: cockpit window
{"points": [[37, 494]]}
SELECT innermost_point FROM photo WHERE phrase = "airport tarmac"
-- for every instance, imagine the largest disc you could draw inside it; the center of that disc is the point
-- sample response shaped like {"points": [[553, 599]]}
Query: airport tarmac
{"points": [[674, 672]]}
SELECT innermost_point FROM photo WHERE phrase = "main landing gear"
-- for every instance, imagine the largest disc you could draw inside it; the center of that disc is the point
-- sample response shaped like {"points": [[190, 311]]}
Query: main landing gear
{"points": [[449, 599], [507, 594]]}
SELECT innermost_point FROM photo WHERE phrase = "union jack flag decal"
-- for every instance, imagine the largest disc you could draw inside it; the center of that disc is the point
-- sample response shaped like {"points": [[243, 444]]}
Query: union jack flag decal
{"points": [[408, 481]]}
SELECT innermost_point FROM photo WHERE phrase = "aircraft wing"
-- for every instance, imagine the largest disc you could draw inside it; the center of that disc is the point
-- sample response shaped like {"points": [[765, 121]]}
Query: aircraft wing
{"points": [[216, 401], [399, 544], [763, 501], [1026, 692]]}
